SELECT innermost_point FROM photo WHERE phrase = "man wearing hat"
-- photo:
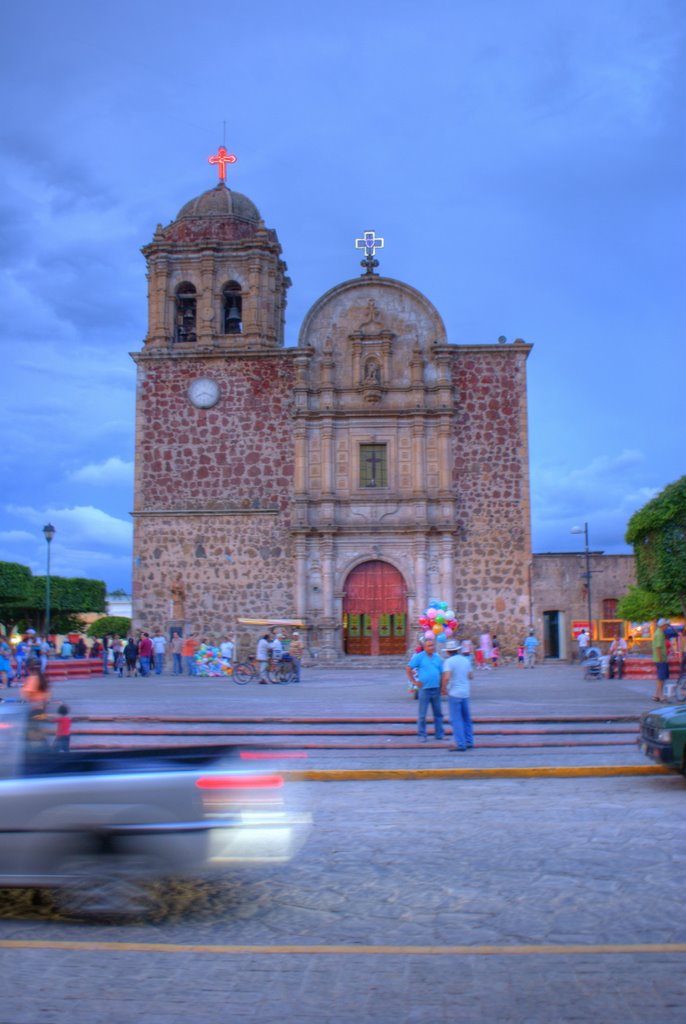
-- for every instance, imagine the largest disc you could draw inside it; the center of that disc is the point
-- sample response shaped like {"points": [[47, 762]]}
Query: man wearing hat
{"points": [[457, 673], [296, 650], [660, 657]]}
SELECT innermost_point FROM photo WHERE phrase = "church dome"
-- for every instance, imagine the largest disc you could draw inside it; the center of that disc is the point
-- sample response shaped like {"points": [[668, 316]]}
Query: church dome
{"points": [[220, 202]]}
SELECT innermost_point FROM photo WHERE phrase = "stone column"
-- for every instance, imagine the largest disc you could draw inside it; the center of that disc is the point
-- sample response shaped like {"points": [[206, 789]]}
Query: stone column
{"points": [[301, 577], [421, 597], [328, 619], [447, 574]]}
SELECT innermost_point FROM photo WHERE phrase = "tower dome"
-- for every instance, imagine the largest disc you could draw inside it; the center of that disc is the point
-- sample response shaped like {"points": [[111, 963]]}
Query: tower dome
{"points": [[220, 202]]}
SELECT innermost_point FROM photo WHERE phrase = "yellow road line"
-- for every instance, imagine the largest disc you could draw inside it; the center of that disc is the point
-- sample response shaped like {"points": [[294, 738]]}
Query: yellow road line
{"points": [[577, 949], [381, 774]]}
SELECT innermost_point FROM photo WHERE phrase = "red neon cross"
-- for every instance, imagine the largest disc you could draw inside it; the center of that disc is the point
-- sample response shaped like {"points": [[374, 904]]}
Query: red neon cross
{"points": [[222, 157]]}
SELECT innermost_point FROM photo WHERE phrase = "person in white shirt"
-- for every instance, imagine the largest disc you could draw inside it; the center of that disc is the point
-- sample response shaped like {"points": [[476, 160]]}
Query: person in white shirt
{"points": [[618, 652], [262, 657], [455, 679], [159, 646], [276, 647], [226, 649]]}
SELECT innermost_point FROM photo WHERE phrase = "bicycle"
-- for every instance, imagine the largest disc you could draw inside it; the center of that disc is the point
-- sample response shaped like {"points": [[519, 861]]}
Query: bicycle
{"points": [[282, 671], [245, 672]]}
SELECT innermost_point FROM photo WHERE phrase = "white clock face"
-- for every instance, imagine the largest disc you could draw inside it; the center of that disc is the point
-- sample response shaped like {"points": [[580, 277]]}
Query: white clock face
{"points": [[204, 392]]}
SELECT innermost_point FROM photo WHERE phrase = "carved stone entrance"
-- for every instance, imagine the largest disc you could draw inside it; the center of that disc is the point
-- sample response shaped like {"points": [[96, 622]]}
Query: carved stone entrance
{"points": [[375, 610]]}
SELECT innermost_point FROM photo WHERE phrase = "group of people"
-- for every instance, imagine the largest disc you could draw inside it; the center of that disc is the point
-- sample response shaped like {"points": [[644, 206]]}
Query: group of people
{"points": [[435, 678], [271, 646]]}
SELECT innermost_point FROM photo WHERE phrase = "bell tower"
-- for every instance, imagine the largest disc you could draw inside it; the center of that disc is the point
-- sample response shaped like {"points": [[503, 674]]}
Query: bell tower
{"points": [[214, 451], [216, 279]]}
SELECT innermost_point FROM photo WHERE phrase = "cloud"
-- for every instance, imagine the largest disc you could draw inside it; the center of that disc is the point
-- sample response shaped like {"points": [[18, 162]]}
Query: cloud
{"points": [[112, 471], [79, 525], [604, 493]]}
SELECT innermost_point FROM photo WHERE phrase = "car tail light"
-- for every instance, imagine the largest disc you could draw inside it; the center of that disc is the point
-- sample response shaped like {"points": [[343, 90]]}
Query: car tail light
{"points": [[215, 782]]}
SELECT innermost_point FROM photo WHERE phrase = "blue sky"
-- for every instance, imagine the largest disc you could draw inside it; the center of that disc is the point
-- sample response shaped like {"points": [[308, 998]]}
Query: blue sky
{"points": [[524, 162]]}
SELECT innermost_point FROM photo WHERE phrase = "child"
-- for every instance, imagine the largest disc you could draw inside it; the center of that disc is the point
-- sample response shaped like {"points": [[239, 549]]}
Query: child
{"points": [[520, 656], [63, 731]]}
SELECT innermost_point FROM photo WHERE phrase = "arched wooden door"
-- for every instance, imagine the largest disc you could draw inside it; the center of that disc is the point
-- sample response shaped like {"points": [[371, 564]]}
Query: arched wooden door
{"points": [[375, 610]]}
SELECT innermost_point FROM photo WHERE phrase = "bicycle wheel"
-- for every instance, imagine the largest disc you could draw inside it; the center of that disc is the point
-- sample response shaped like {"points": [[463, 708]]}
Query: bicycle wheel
{"points": [[287, 672], [242, 674]]}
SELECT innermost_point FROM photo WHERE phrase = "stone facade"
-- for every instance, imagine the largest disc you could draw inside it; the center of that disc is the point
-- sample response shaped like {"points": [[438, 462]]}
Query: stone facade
{"points": [[560, 597], [265, 475]]}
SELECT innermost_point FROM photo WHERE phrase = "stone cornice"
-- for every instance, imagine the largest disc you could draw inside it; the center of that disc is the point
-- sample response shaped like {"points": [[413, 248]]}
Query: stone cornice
{"points": [[233, 511], [174, 351]]}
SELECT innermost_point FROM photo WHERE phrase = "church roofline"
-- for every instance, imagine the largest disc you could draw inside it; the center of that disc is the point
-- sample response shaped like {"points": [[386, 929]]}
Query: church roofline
{"points": [[367, 281]]}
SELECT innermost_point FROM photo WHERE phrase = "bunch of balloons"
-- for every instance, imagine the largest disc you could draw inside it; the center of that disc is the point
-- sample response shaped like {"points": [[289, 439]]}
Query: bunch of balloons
{"points": [[209, 662], [438, 621]]}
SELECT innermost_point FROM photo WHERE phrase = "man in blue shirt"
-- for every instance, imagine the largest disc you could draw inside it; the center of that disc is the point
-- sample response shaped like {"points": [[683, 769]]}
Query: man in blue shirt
{"points": [[429, 667], [530, 645]]}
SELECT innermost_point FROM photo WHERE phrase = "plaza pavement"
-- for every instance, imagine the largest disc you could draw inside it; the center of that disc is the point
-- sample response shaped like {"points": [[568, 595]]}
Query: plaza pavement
{"points": [[551, 692]]}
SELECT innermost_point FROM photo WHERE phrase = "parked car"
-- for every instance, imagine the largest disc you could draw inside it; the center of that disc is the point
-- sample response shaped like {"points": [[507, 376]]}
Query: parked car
{"points": [[663, 736], [99, 826]]}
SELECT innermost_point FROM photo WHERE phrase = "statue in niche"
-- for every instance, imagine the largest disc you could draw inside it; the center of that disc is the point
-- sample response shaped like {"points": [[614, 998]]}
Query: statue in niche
{"points": [[372, 373], [178, 594]]}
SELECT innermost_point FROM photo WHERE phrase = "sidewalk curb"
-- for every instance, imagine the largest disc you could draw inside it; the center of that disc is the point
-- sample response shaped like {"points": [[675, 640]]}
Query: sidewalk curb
{"points": [[390, 774]]}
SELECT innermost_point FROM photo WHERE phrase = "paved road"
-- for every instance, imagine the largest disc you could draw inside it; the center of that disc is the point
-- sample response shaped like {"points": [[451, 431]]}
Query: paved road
{"points": [[414, 901], [396, 880]]}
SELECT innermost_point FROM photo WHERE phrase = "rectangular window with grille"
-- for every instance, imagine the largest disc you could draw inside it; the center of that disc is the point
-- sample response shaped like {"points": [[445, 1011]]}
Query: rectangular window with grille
{"points": [[373, 465]]}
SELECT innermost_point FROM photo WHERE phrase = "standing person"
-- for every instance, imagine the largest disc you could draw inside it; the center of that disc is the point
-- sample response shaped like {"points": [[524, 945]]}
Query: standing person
{"points": [[190, 646], [660, 658], [5, 661], [530, 644], [20, 653], [262, 657], [671, 637], [495, 651], [176, 648], [455, 679], [106, 654], [131, 657], [43, 647], [429, 666], [226, 649], [583, 642], [145, 654], [63, 730], [486, 645], [520, 656], [159, 646], [296, 651], [118, 655], [276, 647]]}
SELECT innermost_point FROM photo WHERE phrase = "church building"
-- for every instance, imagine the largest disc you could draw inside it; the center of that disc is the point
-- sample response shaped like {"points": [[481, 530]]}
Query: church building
{"points": [[344, 482]]}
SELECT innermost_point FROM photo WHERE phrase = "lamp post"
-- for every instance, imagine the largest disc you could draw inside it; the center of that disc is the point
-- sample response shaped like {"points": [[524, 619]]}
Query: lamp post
{"points": [[48, 532], [586, 575]]}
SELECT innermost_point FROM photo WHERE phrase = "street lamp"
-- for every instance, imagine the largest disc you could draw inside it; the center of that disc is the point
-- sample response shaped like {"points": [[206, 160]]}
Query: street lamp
{"points": [[586, 575], [48, 532]]}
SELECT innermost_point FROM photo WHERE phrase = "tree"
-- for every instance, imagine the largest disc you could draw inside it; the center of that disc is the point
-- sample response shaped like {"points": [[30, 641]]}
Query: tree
{"points": [[658, 535], [22, 598], [110, 624], [640, 605]]}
